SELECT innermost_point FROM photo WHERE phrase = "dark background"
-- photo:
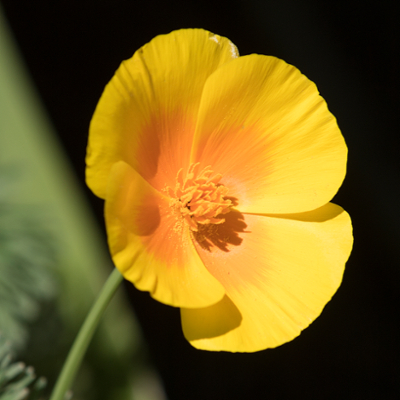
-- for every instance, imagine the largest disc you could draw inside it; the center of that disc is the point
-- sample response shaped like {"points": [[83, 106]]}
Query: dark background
{"points": [[351, 50]]}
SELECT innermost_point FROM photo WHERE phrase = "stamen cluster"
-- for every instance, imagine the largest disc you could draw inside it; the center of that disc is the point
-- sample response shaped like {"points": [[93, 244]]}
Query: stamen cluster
{"points": [[200, 197]]}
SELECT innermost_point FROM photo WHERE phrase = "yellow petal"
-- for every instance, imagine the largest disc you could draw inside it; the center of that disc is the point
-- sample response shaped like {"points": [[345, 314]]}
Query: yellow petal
{"points": [[265, 128], [147, 113], [151, 247], [279, 272]]}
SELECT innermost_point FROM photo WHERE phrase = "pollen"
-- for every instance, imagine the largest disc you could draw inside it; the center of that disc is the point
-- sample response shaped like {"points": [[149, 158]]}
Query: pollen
{"points": [[199, 198]]}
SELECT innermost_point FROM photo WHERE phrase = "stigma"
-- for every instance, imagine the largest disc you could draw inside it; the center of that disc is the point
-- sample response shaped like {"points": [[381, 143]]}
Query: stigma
{"points": [[199, 197]]}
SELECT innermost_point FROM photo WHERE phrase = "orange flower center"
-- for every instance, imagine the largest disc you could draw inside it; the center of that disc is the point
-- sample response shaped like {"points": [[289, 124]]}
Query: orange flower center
{"points": [[199, 197]]}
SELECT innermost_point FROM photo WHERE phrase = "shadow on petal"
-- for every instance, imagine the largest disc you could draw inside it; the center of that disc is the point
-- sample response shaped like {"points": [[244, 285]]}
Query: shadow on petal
{"points": [[322, 214], [131, 201], [210, 322], [148, 154], [146, 220], [222, 235]]}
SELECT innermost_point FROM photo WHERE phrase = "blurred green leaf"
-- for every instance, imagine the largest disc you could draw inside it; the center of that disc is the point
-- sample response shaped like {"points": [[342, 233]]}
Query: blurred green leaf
{"points": [[30, 152], [17, 381], [26, 258]]}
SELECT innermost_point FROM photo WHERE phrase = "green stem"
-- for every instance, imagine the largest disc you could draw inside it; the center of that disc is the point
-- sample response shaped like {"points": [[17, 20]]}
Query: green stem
{"points": [[84, 337]]}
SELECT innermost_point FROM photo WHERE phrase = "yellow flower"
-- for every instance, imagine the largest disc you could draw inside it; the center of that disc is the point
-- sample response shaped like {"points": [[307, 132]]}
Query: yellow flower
{"points": [[217, 172]]}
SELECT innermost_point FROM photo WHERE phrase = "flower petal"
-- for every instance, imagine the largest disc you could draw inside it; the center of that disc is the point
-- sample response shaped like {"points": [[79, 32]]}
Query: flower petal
{"points": [[146, 115], [265, 128], [150, 247], [280, 276]]}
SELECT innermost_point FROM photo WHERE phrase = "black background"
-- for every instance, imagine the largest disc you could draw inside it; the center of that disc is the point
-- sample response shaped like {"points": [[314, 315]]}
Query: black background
{"points": [[351, 50]]}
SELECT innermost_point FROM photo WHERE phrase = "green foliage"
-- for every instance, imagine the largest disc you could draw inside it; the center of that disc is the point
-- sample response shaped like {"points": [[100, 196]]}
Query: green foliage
{"points": [[44, 220], [26, 255], [17, 382]]}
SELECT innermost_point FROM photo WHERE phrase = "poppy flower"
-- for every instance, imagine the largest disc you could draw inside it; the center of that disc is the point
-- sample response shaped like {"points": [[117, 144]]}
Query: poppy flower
{"points": [[217, 172]]}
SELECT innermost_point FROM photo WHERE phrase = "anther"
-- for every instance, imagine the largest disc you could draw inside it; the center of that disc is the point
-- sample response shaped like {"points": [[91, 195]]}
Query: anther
{"points": [[199, 197]]}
